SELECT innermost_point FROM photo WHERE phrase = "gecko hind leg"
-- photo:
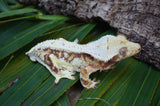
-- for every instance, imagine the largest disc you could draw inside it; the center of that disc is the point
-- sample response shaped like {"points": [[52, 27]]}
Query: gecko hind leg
{"points": [[64, 74], [61, 73], [84, 77], [67, 74]]}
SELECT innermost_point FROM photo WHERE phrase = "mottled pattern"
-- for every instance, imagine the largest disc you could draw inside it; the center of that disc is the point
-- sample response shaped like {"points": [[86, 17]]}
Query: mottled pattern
{"points": [[63, 58], [84, 60]]}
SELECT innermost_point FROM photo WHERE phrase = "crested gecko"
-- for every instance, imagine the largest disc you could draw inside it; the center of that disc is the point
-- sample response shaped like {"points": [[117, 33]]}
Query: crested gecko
{"points": [[63, 58]]}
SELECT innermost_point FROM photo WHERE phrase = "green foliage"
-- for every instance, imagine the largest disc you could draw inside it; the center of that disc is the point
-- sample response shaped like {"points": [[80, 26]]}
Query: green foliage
{"points": [[3, 5], [23, 82]]}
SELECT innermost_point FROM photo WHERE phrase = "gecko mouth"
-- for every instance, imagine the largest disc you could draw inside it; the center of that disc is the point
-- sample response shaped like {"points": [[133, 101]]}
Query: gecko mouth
{"points": [[134, 49], [138, 49]]}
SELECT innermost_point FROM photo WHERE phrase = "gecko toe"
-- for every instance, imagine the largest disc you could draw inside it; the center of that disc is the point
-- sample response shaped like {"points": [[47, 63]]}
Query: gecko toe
{"points": [[97, 82], [94, 79]]}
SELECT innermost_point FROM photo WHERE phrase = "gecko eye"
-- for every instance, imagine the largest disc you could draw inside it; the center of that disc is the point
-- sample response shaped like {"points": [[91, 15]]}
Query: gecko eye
{"points": [[123, 51]]}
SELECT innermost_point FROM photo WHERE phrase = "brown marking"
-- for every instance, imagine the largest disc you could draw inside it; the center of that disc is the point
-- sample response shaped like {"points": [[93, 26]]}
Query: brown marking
{"points": [[56, 53], [48, 61], [108, 47], [86, 82], [94, 66], [45, 49], [62, 54], [100, 62], [115, 58], [84, 57], [71, 57], [66, 59], [89, 57], [78, 55], [74, 55], [110, 62], [50, 50], [84, 73], [107, 64], [55, 70]]}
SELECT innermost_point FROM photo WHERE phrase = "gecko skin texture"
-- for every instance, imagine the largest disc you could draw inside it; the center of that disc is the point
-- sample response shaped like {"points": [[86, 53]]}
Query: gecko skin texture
{"points": [[63, 58]]}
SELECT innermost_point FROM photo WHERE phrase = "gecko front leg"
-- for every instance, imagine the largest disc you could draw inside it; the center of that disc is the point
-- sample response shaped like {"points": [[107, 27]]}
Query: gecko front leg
{"points": [[84, 77]]}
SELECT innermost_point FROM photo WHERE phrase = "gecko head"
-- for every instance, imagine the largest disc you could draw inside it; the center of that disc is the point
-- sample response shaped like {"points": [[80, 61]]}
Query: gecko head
{"points": [[122, 48]]}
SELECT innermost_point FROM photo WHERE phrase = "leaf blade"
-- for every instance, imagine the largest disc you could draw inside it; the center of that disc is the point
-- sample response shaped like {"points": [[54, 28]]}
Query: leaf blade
{"points": [[3, 5], [62, 101], [17, 12], [20, 39], [144, 97]]}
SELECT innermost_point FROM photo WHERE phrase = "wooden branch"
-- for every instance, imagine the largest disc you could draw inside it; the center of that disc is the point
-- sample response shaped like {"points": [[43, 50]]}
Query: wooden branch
{"points": [[139, 20]]}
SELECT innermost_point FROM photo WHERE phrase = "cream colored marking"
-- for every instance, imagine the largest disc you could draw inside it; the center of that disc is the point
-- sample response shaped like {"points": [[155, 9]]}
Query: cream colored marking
{"points": [[54, 60], [65, 55]]}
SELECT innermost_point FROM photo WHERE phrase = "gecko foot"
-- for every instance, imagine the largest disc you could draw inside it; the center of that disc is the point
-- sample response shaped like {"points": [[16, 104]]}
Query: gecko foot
{"points": [[89, 83]]}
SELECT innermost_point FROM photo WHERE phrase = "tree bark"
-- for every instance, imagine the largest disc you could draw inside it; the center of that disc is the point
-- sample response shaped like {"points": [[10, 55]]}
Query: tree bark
{"points": [[139, 20]]}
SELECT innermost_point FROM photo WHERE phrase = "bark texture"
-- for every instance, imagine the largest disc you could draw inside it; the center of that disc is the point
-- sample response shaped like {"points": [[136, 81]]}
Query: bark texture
{"points": [[139, 20]]}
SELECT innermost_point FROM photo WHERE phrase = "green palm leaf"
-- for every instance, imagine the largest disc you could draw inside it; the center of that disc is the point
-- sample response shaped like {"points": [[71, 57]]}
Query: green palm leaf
{"points": [[3, 5], [17, 12], [23, 82], [25, 36], [124, 85], [62, 101]]}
